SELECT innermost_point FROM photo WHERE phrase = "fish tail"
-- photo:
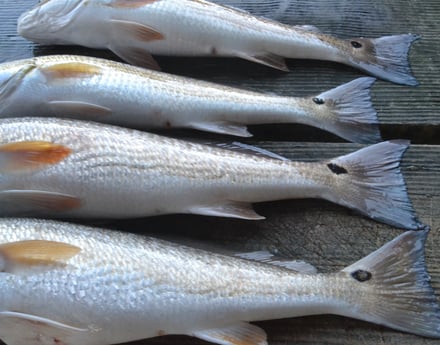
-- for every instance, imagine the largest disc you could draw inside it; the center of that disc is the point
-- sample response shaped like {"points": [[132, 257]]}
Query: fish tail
{"points": [[351, 113], [370, 181], [394, 287], [384, 57]]}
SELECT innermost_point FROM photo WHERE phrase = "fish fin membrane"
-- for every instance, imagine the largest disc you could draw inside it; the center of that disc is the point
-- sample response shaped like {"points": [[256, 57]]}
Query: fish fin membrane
{"points": [[230, 209], [370, 181], [25, 156], [395, 287], [135, 56], [353, 116], [36, 252], [222, 128], [249, 149], [267, 59], [127, 40], [238, 334], [19, 328], [78, 109], [270, 259], [386, 57], [36, 202]]}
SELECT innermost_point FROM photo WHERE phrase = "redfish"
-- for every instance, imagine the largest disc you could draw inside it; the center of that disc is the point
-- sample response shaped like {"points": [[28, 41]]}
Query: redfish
{"points": [[74, 285], [110, 92], [71, 168], [135, 29]]}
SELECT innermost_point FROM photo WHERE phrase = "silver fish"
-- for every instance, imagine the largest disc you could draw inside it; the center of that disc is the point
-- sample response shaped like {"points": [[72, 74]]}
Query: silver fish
{"points": [[133, 29], [111, 92], [74, 285], [83, 169]]}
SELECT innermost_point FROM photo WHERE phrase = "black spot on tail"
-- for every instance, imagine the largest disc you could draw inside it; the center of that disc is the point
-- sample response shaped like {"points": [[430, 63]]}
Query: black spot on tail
{"points": [[356, 44], [318, 100], [361, 275], [336, 169]]}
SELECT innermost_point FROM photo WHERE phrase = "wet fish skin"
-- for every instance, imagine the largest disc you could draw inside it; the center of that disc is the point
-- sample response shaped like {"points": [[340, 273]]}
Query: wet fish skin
{"points": [[70, 168], [105, 91], [121, 287], [135, 29]]}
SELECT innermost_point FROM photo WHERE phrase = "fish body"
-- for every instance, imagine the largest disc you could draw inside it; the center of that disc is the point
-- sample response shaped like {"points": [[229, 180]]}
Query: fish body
{"points": [[83, 169], [134, 29], [102, 287], [105, 91]]}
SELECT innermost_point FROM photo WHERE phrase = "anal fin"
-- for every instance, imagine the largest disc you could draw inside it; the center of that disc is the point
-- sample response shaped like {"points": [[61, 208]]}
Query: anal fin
{"points": [[267, 59], [222, 128], [239, 334], [270, 259], [231, 209]]}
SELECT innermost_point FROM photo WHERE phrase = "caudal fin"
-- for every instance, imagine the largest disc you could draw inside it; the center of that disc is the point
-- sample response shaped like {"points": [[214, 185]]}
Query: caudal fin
{"points": [[370, 181], [350, 112], [384, 57], [393, 287]]}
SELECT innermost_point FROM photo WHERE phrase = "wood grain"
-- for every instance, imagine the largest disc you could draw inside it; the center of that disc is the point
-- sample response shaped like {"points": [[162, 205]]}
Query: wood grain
{"points": [[319, 232]]}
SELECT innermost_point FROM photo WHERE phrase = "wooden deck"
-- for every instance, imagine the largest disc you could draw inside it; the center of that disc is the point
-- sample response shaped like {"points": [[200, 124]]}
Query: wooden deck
{"points": [[321, 233]]}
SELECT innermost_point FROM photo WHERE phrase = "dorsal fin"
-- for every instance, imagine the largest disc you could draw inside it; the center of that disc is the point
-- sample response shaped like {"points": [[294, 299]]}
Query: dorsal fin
{"points": [[253, 150], [271, 259]]}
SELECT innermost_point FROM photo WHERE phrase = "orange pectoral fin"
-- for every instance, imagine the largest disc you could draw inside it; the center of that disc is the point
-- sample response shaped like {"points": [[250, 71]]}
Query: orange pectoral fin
{"points": [[30, 155], [70, 70], [37, 252]]}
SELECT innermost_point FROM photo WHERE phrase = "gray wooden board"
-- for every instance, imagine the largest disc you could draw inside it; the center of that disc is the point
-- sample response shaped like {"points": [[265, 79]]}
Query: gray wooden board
{"points": [[326, 235]]}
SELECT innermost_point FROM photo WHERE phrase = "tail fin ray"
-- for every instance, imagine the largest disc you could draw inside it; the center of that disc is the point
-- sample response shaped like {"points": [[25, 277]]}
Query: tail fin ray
{"points": [[399, 294], [353, 116], [370, 181], [386, 57]]}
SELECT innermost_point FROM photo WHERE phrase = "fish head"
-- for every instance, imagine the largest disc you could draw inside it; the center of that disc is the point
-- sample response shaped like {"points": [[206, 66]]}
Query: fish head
{"points": [[48, 22]]}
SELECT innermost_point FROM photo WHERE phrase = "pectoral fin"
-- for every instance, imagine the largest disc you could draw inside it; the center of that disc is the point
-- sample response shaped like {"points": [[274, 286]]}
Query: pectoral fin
{"points": [[267, 59], [222, 128], [21, 202], [239, 334], [35, 253], [128, 38], [30, 155], [241, 210], [78, 109], [70, 70]]}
